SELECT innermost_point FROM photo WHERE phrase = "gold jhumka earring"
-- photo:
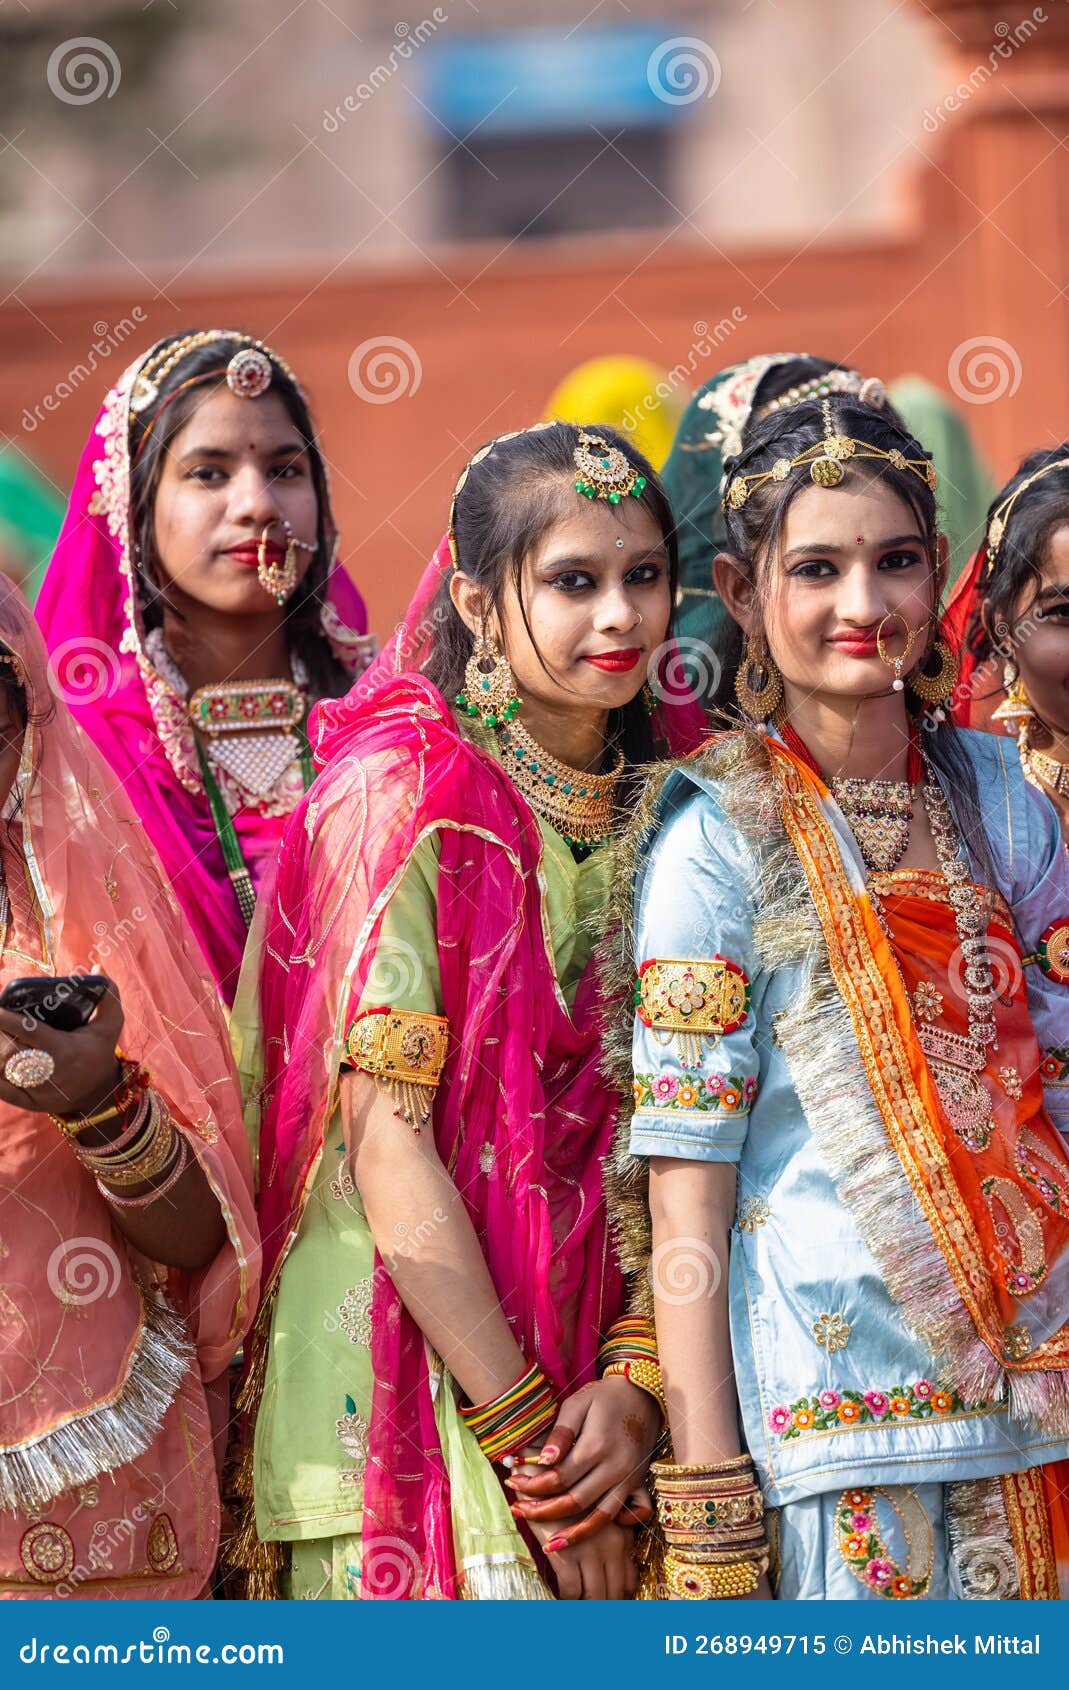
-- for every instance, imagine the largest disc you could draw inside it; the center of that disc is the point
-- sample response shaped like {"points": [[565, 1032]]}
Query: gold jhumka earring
{"points": [[758, 682]]}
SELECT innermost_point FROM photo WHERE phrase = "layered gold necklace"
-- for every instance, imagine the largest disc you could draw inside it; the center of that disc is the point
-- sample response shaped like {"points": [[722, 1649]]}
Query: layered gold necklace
{"points": [[578, 805]]}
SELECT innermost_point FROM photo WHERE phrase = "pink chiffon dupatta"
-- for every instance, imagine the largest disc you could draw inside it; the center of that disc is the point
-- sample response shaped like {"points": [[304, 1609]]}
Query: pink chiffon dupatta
{"points": [[89, 609], [522, 1117]]}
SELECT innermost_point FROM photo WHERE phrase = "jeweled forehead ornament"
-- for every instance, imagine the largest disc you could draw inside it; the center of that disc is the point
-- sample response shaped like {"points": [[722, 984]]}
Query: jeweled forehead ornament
{"points": [[604, 472], [825, 461], [996, 528], [248, 372]]}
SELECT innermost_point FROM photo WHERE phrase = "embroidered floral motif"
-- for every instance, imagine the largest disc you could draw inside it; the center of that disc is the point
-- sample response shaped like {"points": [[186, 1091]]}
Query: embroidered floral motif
{"points": [[831, 1332], [352, 1430], [830, 1409], [47, 1552], [487, 1158], [1017, 1342], [1036, 1164], [1012, 1083], [1054, 1067], [1018, 1227], [753, 1212], [354, 1312], [927, 1001], [692, 1003], [862, 1546], [713, 1094], [161, 1547]]}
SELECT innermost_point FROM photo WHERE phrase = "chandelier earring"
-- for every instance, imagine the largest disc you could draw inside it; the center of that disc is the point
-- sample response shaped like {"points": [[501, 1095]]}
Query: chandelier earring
{"points": [[489, 687], [758, 682], [935, 689]]}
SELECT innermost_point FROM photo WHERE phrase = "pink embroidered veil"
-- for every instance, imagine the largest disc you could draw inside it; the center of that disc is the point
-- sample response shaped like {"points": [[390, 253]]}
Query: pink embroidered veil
{"points": [[90, 609]]}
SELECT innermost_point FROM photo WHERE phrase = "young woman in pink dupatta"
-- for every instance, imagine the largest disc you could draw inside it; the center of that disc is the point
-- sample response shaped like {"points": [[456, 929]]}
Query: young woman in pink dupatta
{"points": [[195, 609], [131, 1261], [434, 1117]]}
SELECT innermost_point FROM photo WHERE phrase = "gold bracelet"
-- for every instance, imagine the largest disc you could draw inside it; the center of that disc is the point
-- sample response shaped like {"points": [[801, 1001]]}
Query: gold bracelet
{"points": [[643, 1373], [698, 1470], [697, 1583]]}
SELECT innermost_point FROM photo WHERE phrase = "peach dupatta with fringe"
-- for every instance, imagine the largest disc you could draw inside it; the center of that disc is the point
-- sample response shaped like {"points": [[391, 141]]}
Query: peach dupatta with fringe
{"points": [[102, 1348]]}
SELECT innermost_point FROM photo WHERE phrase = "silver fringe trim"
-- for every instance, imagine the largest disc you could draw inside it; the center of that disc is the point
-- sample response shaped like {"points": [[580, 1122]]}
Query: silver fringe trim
{"points": [[104, 1437], [982, 1557], [502, 1578]]}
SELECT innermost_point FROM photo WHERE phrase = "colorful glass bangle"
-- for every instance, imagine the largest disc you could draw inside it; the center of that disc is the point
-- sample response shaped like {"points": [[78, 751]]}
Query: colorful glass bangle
{"points": [[629, 1338], [512, 1420], [146, 1197], [134, 1082]]}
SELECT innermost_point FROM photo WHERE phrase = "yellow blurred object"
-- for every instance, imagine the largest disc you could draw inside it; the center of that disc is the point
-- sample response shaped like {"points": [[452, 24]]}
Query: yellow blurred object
{"points": [[631, 394]]}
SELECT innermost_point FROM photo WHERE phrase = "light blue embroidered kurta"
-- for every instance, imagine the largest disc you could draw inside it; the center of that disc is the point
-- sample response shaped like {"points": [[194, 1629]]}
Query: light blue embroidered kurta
{"points": [[835, 1390]]}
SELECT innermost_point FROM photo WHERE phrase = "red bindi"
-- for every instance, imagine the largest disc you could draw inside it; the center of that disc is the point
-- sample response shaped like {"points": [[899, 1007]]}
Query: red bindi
{"points": [[859, 539]]}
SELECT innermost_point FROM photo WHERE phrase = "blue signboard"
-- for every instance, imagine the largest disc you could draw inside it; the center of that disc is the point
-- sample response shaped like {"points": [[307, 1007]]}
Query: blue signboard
{"points": [[530, 81]]}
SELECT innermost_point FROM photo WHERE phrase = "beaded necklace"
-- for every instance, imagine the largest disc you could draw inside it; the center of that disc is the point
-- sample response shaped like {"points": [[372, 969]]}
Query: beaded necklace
{"points": [[578, 805], [879, 812]]}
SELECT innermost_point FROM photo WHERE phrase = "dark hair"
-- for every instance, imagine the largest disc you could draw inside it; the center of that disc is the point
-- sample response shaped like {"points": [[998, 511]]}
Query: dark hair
{"points": [[1021, 552], [152, 431], [508, 503], [792, 373], [755, 532]]}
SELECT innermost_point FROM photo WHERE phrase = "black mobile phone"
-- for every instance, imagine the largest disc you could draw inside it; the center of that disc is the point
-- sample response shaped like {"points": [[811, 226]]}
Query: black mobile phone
{"points": [[63, 1001]]}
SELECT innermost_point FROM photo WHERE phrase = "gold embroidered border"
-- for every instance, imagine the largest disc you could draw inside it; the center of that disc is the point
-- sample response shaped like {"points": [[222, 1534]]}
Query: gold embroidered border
{"points": [[1026, 1511]]}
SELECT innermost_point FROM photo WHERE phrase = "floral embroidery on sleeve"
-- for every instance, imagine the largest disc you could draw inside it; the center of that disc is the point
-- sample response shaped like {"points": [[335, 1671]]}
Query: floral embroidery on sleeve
{"points": [[830, 1410], [712, 1094]]}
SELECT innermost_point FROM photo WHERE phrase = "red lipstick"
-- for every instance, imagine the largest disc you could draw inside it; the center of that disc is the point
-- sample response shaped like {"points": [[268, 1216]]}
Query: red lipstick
{"points": [[857, 642], [248, 554], [615, 662]]}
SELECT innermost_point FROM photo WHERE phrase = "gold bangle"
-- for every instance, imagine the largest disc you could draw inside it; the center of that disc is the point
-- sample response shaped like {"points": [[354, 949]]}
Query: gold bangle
{"points": [[643, 1373], [699, 1470], [698, 1583]]}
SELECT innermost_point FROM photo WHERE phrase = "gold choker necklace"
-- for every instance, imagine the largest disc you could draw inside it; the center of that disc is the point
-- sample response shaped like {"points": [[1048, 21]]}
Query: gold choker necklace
{"points": [[1041, 768], [577, 804], [251, 728]]}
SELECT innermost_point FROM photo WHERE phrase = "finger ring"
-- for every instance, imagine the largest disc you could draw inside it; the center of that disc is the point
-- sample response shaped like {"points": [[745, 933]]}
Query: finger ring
{"points": [[29, 1068]]}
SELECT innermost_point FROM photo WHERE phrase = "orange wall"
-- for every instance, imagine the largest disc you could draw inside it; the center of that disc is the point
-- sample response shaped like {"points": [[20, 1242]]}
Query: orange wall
{"points": [[981, 255]]}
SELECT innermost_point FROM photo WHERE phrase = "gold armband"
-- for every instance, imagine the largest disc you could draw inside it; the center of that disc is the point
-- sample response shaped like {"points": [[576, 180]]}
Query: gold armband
{"points": [[693, 1002], [406, 1052]]}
